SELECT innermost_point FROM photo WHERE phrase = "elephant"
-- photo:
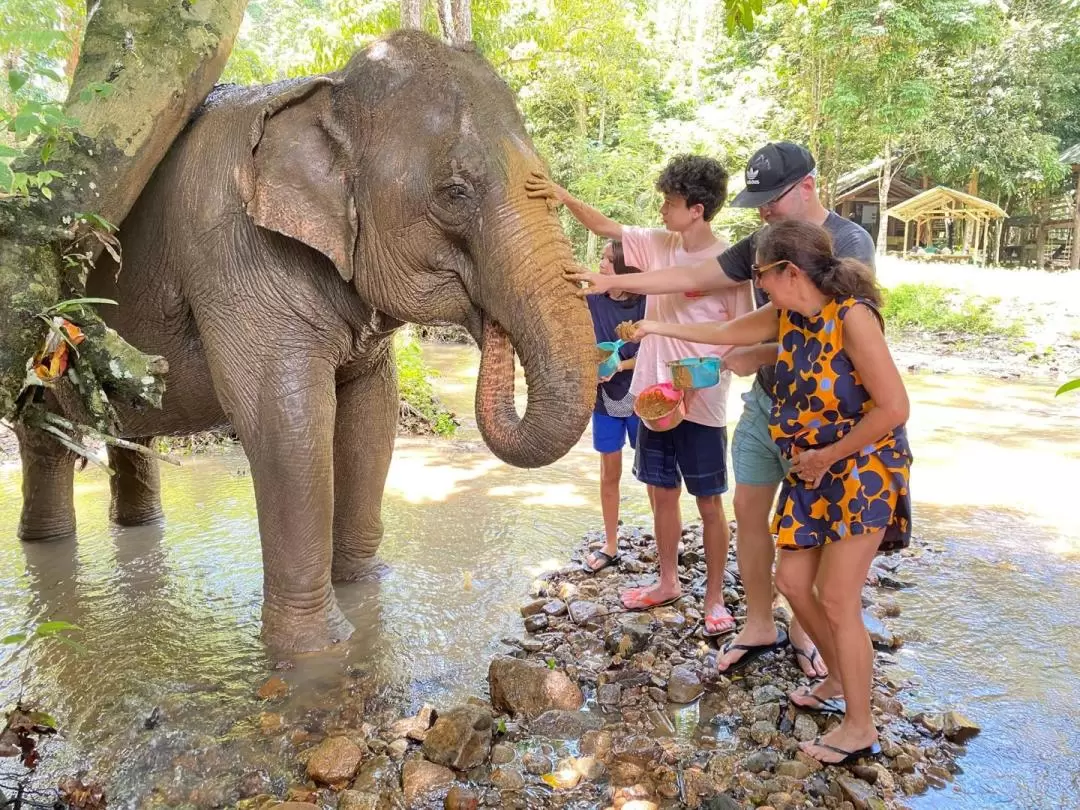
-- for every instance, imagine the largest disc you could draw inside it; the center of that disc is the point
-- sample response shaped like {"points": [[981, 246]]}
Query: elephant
{"points": [[288, 232]]}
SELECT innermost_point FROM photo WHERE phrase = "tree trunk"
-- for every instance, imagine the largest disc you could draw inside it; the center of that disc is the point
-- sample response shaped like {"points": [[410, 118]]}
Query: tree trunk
{"points": [[883, 200], [412, 14], [462, 22], [158, 59], [1074, 254]]}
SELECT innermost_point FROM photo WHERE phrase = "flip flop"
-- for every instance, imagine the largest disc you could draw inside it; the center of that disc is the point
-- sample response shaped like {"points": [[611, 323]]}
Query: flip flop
{"points": [[752, 651], [833, 705], [871, 751], [730, 628], [608, 560], [646, 605], [810, 659]]}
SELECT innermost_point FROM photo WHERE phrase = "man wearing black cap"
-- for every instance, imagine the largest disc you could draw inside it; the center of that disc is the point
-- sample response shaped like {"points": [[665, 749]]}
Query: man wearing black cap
{"points": [[780, 183]]}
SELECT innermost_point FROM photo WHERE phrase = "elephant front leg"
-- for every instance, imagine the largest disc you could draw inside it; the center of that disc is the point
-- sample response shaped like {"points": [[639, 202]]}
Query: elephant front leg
{"points": [[48, 477], [136, 487], [367, 417], [283, 413]]}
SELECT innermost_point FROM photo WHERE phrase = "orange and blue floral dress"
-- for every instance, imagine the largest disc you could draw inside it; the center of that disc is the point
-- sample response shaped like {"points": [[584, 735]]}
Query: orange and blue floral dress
{"points": [[819, 399]]}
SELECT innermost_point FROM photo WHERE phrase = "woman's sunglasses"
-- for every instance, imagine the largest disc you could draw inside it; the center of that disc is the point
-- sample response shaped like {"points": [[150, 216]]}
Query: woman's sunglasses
{"points": [[759, 270]]}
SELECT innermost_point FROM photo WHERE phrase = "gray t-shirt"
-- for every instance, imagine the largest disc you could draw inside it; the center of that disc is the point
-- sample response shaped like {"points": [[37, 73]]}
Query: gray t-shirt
{"points": [[850, 240]]}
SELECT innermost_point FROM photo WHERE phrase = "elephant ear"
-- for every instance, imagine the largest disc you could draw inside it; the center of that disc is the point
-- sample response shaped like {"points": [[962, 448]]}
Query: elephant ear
{"points": [[297, 184]]}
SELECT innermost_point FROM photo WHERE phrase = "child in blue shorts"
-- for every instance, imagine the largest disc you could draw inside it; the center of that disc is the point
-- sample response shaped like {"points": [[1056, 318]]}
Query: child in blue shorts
{"points": [[613, 420]]}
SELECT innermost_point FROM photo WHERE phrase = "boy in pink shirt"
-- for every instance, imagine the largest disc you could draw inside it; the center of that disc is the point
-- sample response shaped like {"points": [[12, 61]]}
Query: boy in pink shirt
{"points": [[694, 189]]}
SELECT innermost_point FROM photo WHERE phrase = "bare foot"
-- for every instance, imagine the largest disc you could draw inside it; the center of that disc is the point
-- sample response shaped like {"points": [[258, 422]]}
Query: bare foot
{"points": [[650, 597], [840, 744], [806, 654]]}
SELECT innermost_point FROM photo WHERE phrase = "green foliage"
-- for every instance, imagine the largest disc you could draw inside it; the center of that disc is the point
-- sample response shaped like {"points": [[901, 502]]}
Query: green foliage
{"points": [[414, 384], [930, 308], [37, 40]]}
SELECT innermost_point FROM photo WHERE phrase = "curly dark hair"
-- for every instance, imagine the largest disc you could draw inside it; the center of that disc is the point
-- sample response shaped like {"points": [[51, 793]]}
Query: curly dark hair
{"points": [[698, 180]]}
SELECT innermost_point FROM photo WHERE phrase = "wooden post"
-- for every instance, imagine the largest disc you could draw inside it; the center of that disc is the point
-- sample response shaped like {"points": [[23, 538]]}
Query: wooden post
{"points": [[1074, 252], [907, 222]]}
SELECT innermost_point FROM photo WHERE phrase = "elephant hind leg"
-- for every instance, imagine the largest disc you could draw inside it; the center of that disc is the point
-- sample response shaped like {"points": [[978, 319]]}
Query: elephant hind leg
{"points": [[48, 476], [364, 430], [136, 487]]}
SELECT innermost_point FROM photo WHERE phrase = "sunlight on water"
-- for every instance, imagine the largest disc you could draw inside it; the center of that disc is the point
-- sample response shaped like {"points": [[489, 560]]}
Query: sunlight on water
{"points": [[171, 613]]}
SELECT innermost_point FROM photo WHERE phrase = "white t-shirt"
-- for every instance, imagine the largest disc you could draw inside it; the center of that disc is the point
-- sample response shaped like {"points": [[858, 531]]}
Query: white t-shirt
{"points": [[653, 249]]}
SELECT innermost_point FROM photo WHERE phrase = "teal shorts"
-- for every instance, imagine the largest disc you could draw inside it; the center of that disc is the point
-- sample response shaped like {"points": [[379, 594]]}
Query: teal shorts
{"points": [[755, 458]]}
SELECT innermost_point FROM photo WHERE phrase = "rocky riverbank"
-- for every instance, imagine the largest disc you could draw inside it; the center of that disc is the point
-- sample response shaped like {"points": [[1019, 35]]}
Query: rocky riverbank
{"points": [[596, 707]]}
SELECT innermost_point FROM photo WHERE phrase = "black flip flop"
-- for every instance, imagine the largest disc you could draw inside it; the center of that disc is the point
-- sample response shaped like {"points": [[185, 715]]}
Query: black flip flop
{"points": [[870, 752], [752, 651], [608, 559], [823, 705]]}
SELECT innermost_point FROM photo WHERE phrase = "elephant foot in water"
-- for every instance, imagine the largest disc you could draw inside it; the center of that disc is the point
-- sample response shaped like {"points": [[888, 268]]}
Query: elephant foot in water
{"points": [[356, 568], [293, 628]]}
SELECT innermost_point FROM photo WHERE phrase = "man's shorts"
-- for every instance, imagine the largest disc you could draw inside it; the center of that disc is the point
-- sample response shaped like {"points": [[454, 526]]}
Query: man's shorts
{"points": [[610, 433], [756, 459], [696, 453]]}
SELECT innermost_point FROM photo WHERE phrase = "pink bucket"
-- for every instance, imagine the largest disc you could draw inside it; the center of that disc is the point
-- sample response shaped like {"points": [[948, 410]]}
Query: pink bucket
{"points": [[672, 417]]}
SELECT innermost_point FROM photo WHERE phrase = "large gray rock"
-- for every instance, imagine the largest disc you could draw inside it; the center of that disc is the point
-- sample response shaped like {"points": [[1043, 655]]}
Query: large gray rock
{"points": [[560, 724], [460, 738], [522, 687], [881, 636], [959, 728]]}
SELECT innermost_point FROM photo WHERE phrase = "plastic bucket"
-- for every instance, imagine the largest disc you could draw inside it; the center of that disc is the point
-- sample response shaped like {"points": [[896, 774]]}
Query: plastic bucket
{"points": [[660, 407], [610, 365], [695, 372]]}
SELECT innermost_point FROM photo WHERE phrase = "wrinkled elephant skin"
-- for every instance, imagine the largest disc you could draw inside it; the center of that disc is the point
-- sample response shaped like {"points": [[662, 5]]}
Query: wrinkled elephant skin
{"points": [[290, 230]]}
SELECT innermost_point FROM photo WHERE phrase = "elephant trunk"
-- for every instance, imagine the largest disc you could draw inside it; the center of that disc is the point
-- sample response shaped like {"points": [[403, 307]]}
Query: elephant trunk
{"points": [[539, 316]]}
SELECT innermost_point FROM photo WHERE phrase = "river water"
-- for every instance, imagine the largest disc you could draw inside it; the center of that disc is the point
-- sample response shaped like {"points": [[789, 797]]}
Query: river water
{"points": [[169, 614]]}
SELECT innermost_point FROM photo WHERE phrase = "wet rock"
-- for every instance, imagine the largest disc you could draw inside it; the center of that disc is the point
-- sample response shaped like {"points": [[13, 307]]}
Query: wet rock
{"points": [[762, 732], [609, 694], [590, 768], [631, 635], [959, 728], [589, 615], [532, 608], [507, 777], [684, 685], [301, 794], [273, 689], [460, 797], [270, 723], [769, 712], [555, 607], [378, 777], [793, 769], [357, 800], [521, 687], [460, 738], [501, 754], [563, 725], [881, 636], [563, 777], [761, 761], [904, 763], [805, 727], [420, 778], [913, 784], [335, 761], [537, 623], [934, 723], [670, 618], [295, 806], [597, 744], [537, 762], [398, 748], [416, 727], [768, 694], [859, 793], [251, 784]]}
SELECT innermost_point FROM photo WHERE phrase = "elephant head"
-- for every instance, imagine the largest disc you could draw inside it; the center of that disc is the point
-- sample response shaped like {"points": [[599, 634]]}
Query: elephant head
{"points": [[407, 170]]}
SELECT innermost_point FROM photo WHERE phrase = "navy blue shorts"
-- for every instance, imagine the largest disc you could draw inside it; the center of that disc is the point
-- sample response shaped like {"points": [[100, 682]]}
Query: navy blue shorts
{"points": [[697, 453], [610, 433]]}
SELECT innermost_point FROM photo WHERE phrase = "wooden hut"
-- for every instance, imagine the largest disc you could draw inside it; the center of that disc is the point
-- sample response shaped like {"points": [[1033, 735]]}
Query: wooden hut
{"points": [[1071, 157], [856, 197], [950, 208]]}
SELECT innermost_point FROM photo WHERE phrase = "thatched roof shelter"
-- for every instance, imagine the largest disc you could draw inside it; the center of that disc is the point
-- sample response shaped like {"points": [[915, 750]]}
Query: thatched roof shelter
{"points": [[951, 205]]}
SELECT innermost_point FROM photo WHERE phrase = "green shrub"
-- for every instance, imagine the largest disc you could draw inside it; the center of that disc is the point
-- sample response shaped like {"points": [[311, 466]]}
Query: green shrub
{"points": [[929, 308], [417, 394]]}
